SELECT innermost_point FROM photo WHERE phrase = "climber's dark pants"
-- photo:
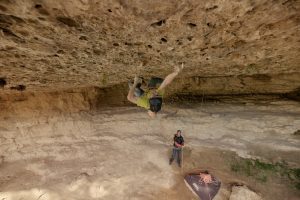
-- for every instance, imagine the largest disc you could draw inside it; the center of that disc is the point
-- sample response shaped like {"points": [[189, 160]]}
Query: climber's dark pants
{"points": [[153, 83]]}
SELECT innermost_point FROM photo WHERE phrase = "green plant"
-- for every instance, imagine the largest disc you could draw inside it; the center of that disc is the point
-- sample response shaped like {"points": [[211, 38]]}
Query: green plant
{"points": [[262, 170]]}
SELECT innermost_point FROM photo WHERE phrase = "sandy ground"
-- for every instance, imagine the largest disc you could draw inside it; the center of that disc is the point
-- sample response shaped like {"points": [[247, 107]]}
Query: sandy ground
{"points": [[119, 153]]}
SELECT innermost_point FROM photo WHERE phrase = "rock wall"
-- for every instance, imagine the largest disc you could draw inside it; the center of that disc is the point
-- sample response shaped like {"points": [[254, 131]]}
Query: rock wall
{"points": [[60, 45], [242, 84], [38, 104]]}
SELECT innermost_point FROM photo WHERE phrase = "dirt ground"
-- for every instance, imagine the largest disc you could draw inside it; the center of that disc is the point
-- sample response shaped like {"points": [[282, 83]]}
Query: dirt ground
{"points": [[119, 153]]}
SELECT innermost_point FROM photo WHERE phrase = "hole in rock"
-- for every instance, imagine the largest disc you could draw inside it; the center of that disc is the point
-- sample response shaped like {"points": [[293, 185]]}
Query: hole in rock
{"points": [[211, 25], [38, 6], [67, 21], [192, 25], [159, 23], [116, 44], [60, 51], [150, 46], [211, 8], [109, 10], [18, 87], [42, 18], [164, 40], [128, 43], [2, 8], [179, 42], [83, 37], [2, 82], [43, 11], [190, 38], [297, 132]]}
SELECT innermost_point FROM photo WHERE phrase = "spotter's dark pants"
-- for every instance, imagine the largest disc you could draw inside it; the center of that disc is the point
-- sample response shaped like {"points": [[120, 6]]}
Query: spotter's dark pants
{"points": [[176, 154]]}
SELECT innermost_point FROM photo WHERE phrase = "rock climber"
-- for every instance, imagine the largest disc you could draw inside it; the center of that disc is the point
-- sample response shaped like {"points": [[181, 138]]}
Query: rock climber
{"points": [[151, 99], [177, 148]]}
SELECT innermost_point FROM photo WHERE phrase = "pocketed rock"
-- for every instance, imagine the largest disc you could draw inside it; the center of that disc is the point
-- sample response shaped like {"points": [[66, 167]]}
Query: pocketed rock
{"points": [[228, 47]]}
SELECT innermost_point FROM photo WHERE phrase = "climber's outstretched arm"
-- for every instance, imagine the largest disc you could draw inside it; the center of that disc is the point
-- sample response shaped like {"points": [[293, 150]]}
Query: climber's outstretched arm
{"points": [[130, 95], [171, 77]]}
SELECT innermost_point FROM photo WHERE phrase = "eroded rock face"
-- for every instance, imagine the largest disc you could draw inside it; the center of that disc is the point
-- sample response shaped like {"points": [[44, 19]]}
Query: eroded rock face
{"points": [[50, 45]]}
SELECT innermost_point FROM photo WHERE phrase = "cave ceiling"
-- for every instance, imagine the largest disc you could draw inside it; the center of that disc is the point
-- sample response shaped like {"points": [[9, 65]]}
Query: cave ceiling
{"points": [[50, 45]]}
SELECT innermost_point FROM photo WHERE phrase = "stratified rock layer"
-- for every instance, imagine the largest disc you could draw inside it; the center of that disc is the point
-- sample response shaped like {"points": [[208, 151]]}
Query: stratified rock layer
{"points": [[230, 47]]}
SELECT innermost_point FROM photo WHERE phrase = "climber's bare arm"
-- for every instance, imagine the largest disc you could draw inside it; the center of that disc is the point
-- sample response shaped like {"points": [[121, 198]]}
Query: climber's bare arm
{"points": [[171, 77], [130, 95]]}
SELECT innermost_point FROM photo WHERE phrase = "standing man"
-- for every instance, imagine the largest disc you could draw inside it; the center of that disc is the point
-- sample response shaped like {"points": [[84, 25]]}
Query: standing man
{"points": [[177, 148], [151, 99]]}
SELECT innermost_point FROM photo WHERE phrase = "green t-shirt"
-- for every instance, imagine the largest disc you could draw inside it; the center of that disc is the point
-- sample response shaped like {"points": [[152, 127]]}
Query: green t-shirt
{"points": [[143, 101]]}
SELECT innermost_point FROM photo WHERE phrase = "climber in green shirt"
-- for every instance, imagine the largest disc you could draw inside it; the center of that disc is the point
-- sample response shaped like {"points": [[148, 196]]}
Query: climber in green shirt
{"points": [[152, 98]]}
